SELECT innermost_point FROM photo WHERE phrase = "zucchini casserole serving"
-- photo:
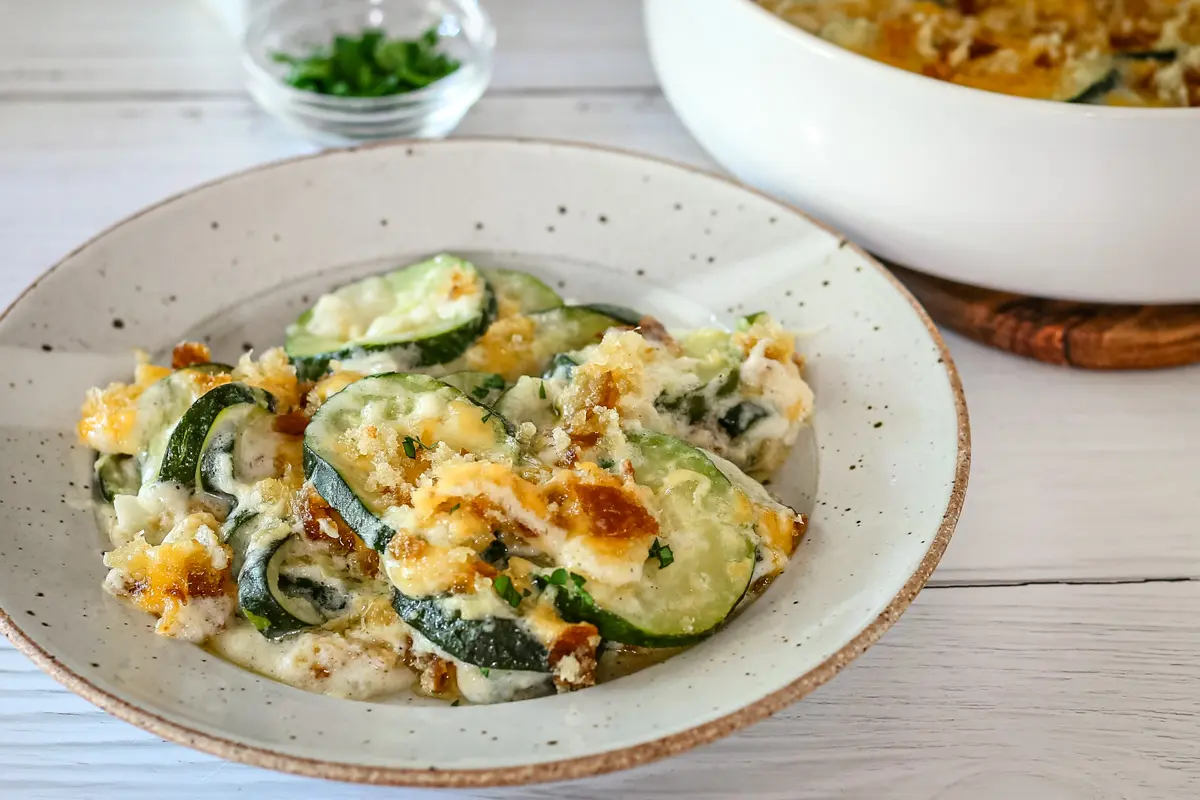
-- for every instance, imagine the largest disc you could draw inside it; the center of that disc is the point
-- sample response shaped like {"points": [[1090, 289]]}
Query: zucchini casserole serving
{"points": [[1106, 52], [450, 482]]}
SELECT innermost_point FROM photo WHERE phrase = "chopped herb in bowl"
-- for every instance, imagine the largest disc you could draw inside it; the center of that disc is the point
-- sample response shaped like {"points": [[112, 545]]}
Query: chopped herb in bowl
{"points": [[370, 65]]}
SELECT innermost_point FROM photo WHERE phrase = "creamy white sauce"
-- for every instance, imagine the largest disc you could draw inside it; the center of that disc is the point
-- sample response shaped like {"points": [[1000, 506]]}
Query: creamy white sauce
{"points": [[320, 661], [153, 511]]}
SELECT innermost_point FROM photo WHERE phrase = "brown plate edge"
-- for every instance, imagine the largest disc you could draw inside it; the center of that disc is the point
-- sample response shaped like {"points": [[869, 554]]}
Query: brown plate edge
{"points": [[567, 769]]}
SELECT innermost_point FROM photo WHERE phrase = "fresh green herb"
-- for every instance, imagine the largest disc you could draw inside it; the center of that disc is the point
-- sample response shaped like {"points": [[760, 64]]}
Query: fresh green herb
{"points": [[663, 553], [750, 319], [582, 593], [542, 390], [479, 392], [411, 445], [556, 578], [504, 587], [369, 65], [484, 671], [608, 464], [493, 382], [487, 416], [260, 623], [455, 507]]}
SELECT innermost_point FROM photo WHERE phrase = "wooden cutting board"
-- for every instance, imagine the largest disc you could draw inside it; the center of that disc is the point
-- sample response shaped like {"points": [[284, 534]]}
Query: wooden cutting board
{"points": [[1084, 335]]}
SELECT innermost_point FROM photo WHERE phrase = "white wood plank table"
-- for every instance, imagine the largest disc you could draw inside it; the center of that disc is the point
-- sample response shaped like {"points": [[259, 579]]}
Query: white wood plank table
{"points": [[1055, 654]]}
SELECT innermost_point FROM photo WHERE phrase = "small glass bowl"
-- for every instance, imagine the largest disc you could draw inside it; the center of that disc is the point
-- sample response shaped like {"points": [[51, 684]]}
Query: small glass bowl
{"points": [[299, 27]]}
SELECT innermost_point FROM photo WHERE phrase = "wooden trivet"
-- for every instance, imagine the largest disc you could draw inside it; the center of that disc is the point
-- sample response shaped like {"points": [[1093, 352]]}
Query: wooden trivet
{"points": [[1084, 335]]}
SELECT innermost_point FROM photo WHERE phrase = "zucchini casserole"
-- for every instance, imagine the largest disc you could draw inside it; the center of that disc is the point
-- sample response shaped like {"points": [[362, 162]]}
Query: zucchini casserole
{"points": [[450, 482]]}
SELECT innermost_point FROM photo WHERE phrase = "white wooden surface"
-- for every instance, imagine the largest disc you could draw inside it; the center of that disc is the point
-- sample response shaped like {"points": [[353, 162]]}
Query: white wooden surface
{"points": [[1085, 687]]}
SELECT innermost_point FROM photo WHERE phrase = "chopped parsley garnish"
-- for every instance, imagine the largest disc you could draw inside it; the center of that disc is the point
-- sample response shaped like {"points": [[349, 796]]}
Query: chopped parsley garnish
{"points": [[369, 65], [455, 507], [479, 392], [582, 593], [493, 382], [663, 553], [487, 416], [504, 587], [484, 671], [608, 464], [411, 445], [542, 390], [556, 578]]}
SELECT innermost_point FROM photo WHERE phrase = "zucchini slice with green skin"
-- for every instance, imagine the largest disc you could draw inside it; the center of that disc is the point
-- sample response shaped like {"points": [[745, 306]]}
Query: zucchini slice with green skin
{"points": [[1165, 56], [115, 474], [561, 366], [413, 405], [528, 401], [1092, 81], [490, 642], [626, 316], [525, 293], [232, 457], [161, 406], [194, 433], [711, 548], [569, 328], [240, 529], [273, 612], [482, 387], [423, 314]]}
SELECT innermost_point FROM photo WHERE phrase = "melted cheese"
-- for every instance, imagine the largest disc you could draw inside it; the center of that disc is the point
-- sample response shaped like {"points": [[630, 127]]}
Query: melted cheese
{"points": [[191, 564], [272, 373], [108, 419], [505, 349]]}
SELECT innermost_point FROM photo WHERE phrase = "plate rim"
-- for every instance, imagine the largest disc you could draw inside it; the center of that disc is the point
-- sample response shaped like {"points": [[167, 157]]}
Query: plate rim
{"points": [[563, 769]]}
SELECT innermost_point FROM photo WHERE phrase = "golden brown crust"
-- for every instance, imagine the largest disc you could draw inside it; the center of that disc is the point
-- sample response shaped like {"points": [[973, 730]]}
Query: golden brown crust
{"points": [[189, 354]]}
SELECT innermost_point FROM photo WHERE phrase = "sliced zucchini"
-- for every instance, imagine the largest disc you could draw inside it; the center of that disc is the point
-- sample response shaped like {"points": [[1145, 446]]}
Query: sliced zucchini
{"points": [[423, 314], [271, 610], [233, 456], [415, 406], [741, 417], [561, 366], [244, 527], [1165, 56], [211, 416], [696, 508], [115, 474], [490, 642], [161, 406], [521, 291], [569, 328], [529, 401], [482, 387], [620, 313], [1091, 82]]}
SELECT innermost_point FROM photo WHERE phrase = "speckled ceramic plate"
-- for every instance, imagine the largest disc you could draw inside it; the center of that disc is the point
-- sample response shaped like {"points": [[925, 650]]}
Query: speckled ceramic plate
{"points": [[883, 470]]}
